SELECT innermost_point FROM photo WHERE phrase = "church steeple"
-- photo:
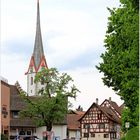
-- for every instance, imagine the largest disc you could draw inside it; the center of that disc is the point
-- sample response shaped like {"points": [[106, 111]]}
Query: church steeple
{"points": [[37, 59], [38, 46]]}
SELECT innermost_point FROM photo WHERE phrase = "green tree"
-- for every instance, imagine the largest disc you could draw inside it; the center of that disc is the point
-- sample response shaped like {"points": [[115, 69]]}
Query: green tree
{"points": [[51, 105], [120, 61]]}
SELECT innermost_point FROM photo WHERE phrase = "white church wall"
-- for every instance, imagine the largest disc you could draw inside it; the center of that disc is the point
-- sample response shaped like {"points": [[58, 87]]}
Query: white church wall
{"points": [[31, 87]]}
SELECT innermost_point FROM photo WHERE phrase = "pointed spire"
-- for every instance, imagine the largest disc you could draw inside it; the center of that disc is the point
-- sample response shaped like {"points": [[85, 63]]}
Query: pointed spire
{"points": [[38, 46]]}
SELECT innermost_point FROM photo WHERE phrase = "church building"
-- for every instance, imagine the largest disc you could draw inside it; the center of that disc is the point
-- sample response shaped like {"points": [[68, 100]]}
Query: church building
{"points": [[37, 60]]}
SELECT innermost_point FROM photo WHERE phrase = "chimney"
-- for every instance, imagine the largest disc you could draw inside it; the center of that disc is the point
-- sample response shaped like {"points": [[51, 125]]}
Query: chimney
{"points": [[109, 99], [97, 101]]}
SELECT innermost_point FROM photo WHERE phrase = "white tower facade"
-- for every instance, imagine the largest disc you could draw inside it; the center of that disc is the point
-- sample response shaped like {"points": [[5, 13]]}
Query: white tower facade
{"points": [[37, 60]]}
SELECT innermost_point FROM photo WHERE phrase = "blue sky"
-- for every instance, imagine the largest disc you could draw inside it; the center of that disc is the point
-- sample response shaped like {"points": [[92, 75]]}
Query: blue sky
{"points": [[73, 33]]}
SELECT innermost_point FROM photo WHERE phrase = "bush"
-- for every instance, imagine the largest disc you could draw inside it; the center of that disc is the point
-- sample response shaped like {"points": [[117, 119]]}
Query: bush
{"points": [[123, 138], [133, 134]]}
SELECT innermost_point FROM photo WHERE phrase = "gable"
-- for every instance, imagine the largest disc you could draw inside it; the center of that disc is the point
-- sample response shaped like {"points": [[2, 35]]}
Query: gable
{"points": [[113, 106], [94, 115]]}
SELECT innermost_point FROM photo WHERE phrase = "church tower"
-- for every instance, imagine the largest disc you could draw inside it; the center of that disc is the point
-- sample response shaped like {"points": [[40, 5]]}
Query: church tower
{"points": [[37, 60]]}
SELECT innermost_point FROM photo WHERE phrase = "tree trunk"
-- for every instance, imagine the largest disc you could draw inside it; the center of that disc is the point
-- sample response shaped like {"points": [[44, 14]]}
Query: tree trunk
{"points": [[48, 129]]}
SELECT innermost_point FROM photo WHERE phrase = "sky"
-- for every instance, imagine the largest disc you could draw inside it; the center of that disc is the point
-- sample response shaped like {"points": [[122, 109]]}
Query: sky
{"points": [[73, 33]]}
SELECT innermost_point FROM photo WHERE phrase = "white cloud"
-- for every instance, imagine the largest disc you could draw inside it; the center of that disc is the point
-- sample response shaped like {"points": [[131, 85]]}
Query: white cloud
{"points": [[89, 82]]}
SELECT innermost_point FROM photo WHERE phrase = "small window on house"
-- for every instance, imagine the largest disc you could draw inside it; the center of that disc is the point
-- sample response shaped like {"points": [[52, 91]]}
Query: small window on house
{"points": [[42, 81], [99, 116], [6, 132], [112, 135], [15, 114], [4, 112], [102, 126], [92, 134], [29, 132], [31, 80], [106, 135], [86, 135], [22, 132], [31, 70], [86, 126]]}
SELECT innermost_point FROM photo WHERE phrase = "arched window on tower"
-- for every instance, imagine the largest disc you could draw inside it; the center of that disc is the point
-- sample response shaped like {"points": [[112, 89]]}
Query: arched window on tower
{"points": [[42, 81], [31, 80]]}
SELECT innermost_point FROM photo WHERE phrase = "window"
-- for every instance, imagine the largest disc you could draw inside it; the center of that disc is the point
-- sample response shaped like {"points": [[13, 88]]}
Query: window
{"points": [[4, 111], [92, 134], [22, 132], [31, 80], [29, 132], [106, 135], [112, 135], [86, 135], [87, 126], [99, 116], [31, 70], [15, 114], [102, 126], [42, 81], [6, 132]]}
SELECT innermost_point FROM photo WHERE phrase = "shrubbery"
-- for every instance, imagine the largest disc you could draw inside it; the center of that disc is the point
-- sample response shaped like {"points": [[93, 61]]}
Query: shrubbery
{"points": [[132, 134]]}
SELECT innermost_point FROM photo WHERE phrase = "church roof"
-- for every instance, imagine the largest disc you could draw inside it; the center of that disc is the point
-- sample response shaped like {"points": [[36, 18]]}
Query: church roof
{"points": [[38, 58], [38, 46]]}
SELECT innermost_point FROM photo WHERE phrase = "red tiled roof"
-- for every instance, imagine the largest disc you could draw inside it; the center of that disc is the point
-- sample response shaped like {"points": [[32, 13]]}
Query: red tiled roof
{"points": [[72, 121], [79, 112]]}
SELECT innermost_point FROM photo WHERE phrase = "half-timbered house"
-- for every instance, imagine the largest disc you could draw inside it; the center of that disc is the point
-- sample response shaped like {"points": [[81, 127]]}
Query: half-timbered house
{"points": [[101, 122]]}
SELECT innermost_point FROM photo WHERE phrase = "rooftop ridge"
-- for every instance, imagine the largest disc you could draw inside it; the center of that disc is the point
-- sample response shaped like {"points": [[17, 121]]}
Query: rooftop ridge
{"points": [[19, 88]]}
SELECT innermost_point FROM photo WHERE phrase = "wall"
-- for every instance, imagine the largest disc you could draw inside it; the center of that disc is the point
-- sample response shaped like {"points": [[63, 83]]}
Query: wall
{"points": [[74, 134], [5, 107], [98, 136], [59, 131]]}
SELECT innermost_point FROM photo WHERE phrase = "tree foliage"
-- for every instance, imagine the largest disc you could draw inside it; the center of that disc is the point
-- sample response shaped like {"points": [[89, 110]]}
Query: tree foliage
{"points": [[120, 61], [51, 105]]}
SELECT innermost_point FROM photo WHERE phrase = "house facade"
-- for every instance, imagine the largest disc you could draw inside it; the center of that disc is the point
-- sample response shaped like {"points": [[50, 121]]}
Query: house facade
{"points": [[19, 126], [5, 107], [101, 122], [26, 127]]}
